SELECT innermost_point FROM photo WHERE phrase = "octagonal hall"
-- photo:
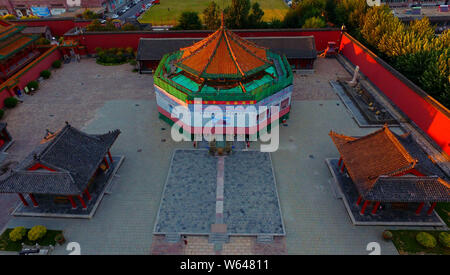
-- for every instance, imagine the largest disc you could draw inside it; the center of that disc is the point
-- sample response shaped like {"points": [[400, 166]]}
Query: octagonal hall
{"points": [[232, 77]]}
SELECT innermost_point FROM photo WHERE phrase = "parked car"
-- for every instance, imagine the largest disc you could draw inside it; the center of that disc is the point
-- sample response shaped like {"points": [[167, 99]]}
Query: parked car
{"points": [[114, 16]]}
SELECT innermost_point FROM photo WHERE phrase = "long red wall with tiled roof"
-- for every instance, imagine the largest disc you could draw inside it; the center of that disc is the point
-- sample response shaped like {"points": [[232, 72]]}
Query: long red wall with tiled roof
{"points": [[30, 72], [131, 39], [423, 110], [58, 26]]}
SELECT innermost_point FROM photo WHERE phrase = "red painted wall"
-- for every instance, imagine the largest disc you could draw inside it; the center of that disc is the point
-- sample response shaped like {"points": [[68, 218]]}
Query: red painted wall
{"points": [[58, 27], [34, 72], [427, 113], [131, 39]]}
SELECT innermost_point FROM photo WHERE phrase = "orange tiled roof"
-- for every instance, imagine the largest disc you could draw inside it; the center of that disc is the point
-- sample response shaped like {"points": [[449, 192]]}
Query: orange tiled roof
{"points": [[369, 157], [15, 45], [223, 55]]}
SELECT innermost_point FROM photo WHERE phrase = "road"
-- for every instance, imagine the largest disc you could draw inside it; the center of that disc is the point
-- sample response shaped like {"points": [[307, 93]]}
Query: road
{"points": [[133, 10]]}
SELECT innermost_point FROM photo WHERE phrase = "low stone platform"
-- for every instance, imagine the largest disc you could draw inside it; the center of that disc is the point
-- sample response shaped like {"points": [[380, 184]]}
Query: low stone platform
{"points": [[47, 208], [386, 215], [356, 113], [191, 202]]}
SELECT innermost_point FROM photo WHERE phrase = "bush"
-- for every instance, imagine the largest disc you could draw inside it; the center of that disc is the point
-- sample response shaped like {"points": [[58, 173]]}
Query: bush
{"points": [[43, 41], [46, 74], [426, 240], [387, 235], [33, 85], [9, 17], [444, 239], [112, 56], [2, 113], [56, 64], [10, 102], [37, 232], [133, 62], [17, 234]]}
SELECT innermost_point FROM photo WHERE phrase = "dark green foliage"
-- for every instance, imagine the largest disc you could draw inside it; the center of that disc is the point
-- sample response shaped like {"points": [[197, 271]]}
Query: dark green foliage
{"points": [[276, 24], [189, 20], [56, 64], [113, 56], [42, 41], [314, 23], [2, 113], [96, 26], [33, 85], [211, 16], [129, 27], [46, 74], [88, 14], [351, 13], [255, 18], [10, 102], [297, 17], [236, 15]]}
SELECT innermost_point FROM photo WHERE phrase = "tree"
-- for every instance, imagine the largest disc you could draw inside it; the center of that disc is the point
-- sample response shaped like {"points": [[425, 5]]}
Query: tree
{"points": [[189, 20], [129, 27], [211, 16], [351, 13], [255, 18], [304, 10], [88, 14], [236, 15], [276, 23], [314, 23], [330, 11]]}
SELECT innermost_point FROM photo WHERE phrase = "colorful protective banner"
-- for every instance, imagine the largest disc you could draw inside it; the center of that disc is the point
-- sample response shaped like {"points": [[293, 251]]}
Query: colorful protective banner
{"points": [[41, 11]]}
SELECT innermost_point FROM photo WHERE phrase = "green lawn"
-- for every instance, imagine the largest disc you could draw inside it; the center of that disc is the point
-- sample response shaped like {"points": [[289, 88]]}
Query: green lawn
{"points": [[169, 11], [405, 242], [7, 245], [443, 209]]}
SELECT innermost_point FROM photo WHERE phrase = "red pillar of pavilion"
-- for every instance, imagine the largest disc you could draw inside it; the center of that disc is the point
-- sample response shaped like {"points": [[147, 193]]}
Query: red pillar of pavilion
{"points": [[24, 201], [106, 162], [358, 202], [375, 207], [343, 167], [33, 199], [87, 194], [340, 161], [430, 210], [419, 209], [82, 202], [363, 209], [110, 157], [74, 206]]}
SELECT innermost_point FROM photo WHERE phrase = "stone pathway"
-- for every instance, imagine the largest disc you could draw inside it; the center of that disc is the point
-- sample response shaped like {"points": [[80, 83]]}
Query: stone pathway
{"points": [[219, 189], [199, 245]]}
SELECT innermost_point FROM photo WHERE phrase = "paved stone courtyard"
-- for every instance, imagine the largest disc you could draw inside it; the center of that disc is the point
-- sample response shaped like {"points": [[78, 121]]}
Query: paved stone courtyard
{"points": [[98, 98], [249, 203], [199, 245]]}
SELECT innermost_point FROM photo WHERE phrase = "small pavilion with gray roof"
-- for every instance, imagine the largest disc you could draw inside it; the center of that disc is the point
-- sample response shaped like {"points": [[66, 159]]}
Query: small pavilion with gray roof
{"points": [[64, 166]]}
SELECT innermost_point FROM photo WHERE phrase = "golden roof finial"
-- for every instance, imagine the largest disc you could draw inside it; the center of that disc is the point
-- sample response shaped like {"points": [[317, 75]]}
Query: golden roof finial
{"points": [[222, 24]]}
